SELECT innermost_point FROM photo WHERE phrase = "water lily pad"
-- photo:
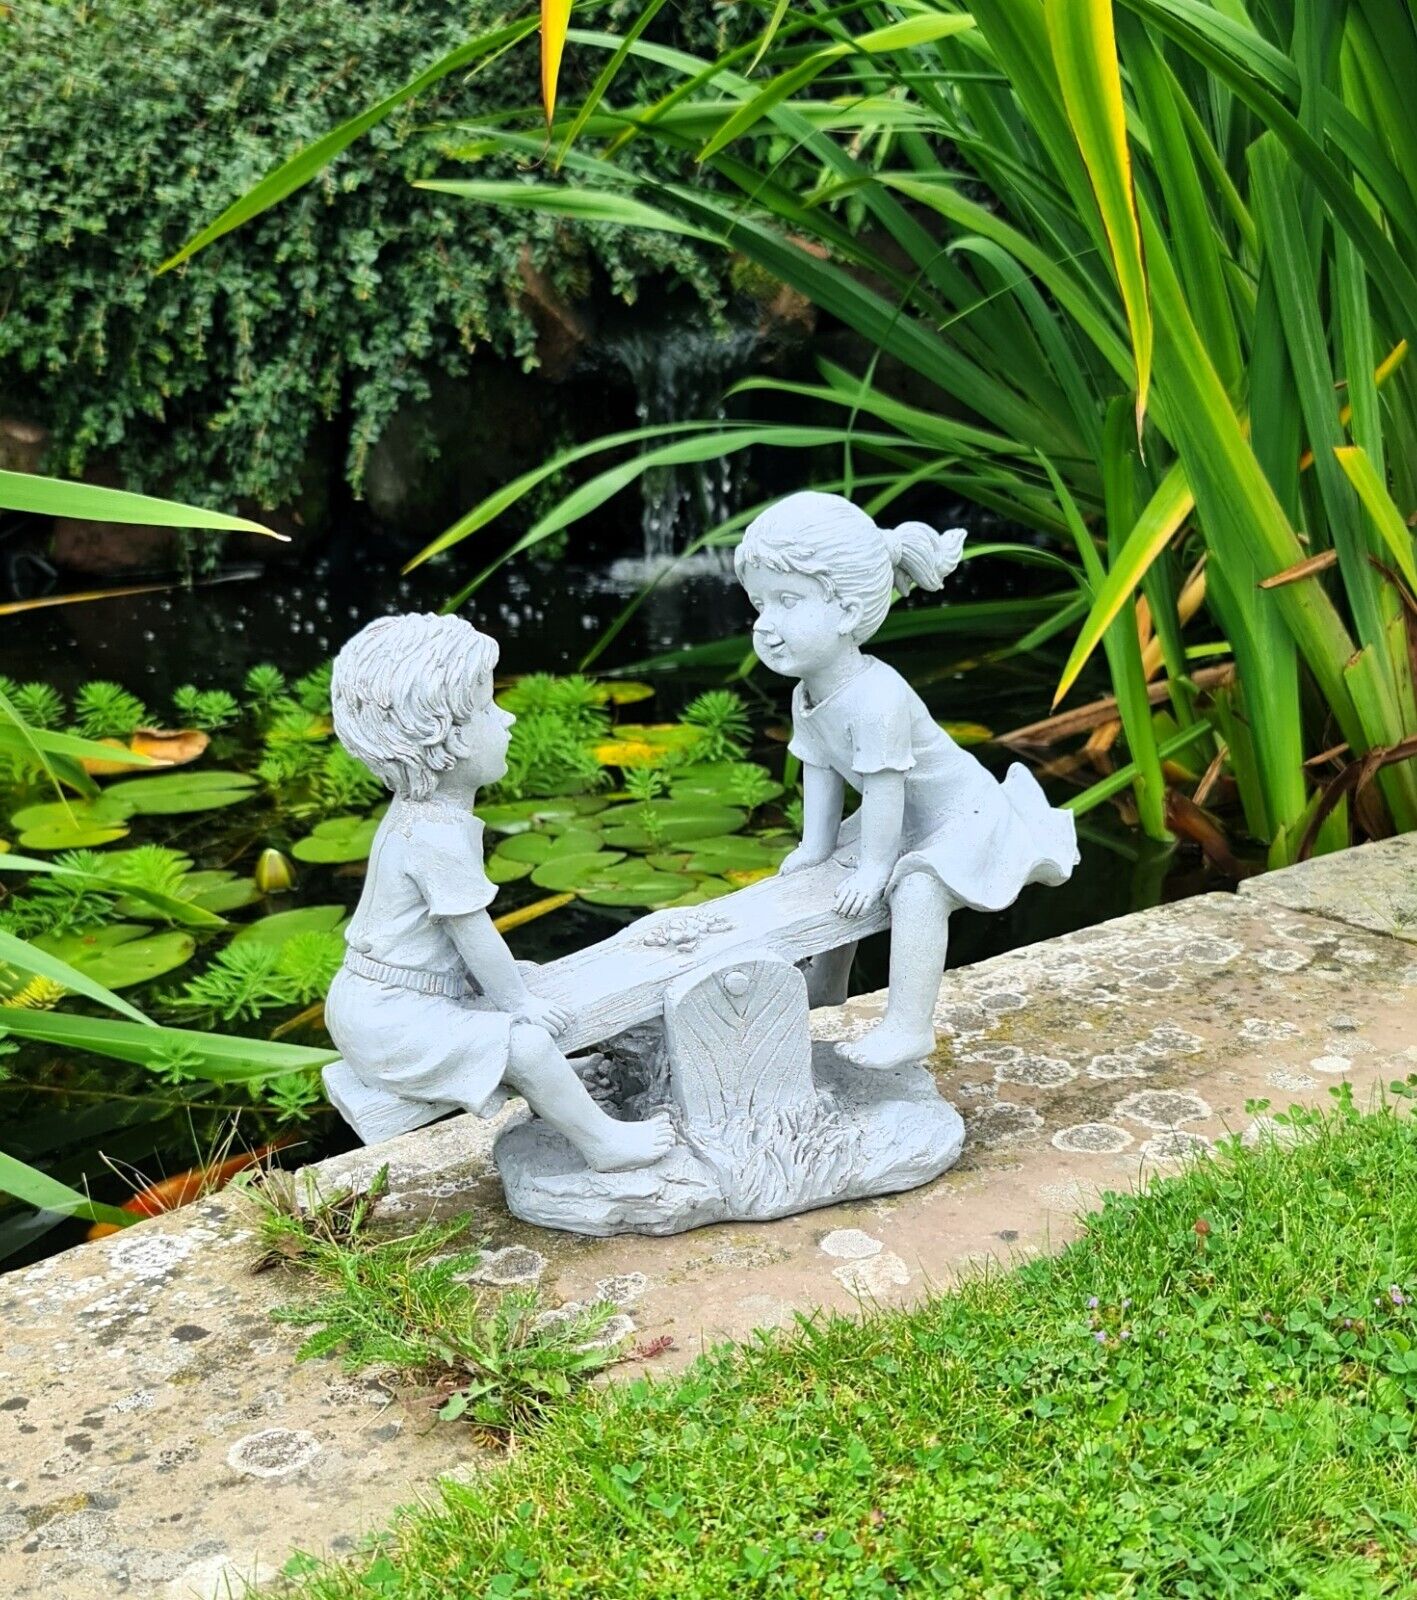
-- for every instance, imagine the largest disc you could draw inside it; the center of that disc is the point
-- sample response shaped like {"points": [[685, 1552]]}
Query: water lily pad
{"points": [[577, 841], [624, 692], [219, 891], [579, 824], [718, 780], [542, 846], [71, 825], [338, 839], [533, 847], [504, 869], [668, 860], [737, 853], [104, 807], [517, 816], [176, 793], [704, 890], [573, 873], [80, 834], [122, 954], [671, 822], [632, 884], [282, 925]]}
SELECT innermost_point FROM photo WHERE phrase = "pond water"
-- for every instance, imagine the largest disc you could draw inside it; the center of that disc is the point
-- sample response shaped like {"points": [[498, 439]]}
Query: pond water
{"points": [[60, 1112]]}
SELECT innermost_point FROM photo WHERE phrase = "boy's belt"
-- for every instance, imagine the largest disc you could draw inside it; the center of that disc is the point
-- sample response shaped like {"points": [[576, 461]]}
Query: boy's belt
{"points": [[453, 985]]}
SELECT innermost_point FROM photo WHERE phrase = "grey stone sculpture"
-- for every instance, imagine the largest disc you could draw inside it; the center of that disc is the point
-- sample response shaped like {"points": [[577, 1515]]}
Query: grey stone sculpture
{"points": [[706, 1099]]}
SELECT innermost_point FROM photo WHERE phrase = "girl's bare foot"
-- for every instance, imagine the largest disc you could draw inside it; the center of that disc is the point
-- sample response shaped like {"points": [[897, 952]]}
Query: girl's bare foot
{"points": [[621, 1146], [887, 1046]]}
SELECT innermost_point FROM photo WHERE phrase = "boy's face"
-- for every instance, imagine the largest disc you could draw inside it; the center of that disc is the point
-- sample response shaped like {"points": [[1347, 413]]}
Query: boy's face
{"points": [[800, 628], [486, 735]]}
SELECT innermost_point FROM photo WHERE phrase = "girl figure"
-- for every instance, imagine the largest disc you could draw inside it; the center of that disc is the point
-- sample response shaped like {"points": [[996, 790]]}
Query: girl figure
{"points": [[935, 830], [412, 700]]}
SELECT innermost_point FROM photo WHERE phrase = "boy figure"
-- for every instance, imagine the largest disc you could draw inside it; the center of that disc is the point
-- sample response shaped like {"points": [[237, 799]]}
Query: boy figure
{"points": [[430, 1004]]}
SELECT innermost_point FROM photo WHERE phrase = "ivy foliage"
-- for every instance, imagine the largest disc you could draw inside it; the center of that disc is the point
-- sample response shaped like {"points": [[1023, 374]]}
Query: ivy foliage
{"points": [[144, 118]]}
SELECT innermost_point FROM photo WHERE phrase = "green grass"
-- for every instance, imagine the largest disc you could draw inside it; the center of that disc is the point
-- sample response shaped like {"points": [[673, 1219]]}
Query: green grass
{"points": [[402, 1303], [1233, 1417]]}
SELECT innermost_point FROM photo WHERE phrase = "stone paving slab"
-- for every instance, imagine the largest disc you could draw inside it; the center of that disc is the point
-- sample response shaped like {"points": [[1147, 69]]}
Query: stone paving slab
{"points": [[155, 1432], [1373, 886]]}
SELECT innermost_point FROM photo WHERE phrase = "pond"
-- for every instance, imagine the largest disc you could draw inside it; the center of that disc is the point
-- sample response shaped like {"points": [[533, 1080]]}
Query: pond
{"points": [[576, 870]]}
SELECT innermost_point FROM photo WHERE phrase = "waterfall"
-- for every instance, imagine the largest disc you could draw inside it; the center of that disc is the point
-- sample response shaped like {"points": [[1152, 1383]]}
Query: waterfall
{"points": [[679, 371]]}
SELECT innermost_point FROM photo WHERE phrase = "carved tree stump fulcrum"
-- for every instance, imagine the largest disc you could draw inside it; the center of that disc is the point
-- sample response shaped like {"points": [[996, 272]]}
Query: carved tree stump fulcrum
{"points": [[768, 1124]]}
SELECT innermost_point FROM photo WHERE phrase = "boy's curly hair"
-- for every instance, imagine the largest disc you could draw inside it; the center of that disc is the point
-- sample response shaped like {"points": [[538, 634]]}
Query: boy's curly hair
{"points": [[402, 689]]}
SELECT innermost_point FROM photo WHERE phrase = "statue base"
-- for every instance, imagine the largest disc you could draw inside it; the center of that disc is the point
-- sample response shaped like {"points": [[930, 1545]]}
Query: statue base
{"points": [[768, 1123]]}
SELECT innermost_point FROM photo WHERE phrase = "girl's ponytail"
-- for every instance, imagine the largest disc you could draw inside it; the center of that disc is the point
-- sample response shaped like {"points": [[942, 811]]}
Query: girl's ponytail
{"points": [[920, 557]]}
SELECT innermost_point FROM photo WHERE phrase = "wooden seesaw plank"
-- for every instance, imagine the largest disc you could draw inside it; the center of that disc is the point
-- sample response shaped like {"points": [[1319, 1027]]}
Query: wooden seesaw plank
{"points": [[613, 985]]}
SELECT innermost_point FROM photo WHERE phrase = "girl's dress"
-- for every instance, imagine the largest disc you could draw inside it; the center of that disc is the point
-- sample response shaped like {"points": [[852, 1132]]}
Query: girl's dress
{"points": [[984, 840], [403, 1011]]}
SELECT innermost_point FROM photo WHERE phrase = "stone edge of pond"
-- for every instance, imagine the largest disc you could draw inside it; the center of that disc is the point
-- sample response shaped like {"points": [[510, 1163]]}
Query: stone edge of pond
{"points": [[158, 1437]]}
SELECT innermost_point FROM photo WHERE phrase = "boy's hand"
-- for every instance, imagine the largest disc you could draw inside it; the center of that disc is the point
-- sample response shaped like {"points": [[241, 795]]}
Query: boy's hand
{"points": [[861, 891], [543, 1014]]}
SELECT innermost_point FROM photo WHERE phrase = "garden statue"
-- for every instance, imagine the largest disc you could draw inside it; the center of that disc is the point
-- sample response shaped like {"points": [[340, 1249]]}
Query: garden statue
{"points": [[706, 1098]]}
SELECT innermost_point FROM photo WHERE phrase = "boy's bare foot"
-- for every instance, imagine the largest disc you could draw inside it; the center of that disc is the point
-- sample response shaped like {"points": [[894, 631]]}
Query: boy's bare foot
{"points": [[624, 1145], [886, 1046]]}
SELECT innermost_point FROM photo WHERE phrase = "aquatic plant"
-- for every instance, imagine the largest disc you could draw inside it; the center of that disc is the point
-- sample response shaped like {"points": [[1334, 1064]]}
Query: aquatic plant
{"points": [[208, 709], [39, 704], [104, 710], [263, 686], [724, 720], [249, 978]]}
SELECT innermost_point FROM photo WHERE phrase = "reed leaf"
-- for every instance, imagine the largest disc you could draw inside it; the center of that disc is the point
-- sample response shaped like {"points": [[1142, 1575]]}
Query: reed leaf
{"points": [[1386, 519], [217, 1057], [35, 1188], [1085, 56], [21, 956], [55, 497]]}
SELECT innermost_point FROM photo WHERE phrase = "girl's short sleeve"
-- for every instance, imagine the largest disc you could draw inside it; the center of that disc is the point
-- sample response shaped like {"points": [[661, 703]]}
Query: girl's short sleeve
{"points": [[804, 743], [880, 727], [445, 862]]}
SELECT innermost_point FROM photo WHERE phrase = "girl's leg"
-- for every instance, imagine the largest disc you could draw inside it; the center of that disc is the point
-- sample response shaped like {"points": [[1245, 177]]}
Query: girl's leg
{"points": [[920, 930], [829, 975], [538, 1071]]}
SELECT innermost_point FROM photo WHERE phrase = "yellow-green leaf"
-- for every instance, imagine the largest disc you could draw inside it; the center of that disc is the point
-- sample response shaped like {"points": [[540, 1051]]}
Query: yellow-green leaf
{"points": [[1378, 503], [555, 19], [1085, 56], [56, 497], [1153, 530]]}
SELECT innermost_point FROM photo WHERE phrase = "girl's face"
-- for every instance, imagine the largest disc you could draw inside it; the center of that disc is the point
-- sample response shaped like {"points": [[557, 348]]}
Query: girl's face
{"points": [[485, 736], [800, 628]]}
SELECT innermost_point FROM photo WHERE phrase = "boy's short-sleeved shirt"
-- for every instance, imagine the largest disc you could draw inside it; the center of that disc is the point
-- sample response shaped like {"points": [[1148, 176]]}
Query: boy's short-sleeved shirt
{"points": [[425, 865]]}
